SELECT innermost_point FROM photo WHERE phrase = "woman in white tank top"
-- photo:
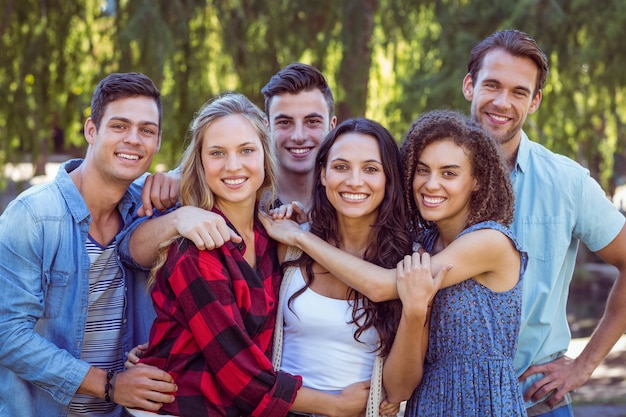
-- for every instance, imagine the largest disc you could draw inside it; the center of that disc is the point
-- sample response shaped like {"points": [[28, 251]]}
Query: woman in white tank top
{"points": [[327, 332]]}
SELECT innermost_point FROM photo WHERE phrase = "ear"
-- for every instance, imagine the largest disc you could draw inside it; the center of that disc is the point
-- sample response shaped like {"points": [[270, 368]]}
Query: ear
{"points": [[323, 176], [475, 185], [333, 122], [90, 131], [536, 101], [468, 87]]}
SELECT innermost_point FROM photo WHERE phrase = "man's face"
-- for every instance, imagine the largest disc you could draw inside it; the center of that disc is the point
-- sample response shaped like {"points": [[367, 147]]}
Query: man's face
{"points": [[298, 124], [502, 97], [127, 140]]}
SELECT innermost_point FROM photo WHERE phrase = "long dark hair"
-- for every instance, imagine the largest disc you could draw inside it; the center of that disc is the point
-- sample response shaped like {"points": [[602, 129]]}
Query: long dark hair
{"points": [[389, 239]]}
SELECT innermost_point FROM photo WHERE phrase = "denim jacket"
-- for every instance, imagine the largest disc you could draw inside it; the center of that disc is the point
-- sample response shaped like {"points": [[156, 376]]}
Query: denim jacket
{"points": [[44, 285]]}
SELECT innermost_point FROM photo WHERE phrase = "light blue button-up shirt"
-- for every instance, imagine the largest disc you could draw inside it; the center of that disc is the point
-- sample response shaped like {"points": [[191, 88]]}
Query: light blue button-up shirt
{"points": [[44, 285], [557, 205]]}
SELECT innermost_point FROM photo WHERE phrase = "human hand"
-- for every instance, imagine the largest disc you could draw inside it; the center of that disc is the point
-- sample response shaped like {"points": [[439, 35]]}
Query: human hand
{"points": [[283, 230], [353, 399], [560, 376], [160, 191], [388, 409], [294, 211], [416, 285], [207, 230], [143, 386], [135, 354]]}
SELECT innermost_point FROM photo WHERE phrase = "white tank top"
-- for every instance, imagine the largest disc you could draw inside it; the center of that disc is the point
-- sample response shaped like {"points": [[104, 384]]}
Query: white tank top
{"points": [[319, 342]]}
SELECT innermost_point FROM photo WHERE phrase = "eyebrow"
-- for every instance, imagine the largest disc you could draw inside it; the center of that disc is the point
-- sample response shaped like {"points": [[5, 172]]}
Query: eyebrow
{"points": [[376, 161], [127, 120], [451, 166], [307, 116], [517, 87]]}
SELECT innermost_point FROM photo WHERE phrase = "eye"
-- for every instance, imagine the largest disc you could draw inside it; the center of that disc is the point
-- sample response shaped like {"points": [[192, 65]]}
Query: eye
{"points": [[247, 150], [314, 122], [340, 167], [521, 93], [371, 169], [449, 174], [282, 122], [421, 171], [148, 131], [216, 153]]}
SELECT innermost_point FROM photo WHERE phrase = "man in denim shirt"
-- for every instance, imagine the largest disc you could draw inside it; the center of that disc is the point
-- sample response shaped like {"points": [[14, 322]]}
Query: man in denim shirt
{"points": [[70, 310], [557, 206]]}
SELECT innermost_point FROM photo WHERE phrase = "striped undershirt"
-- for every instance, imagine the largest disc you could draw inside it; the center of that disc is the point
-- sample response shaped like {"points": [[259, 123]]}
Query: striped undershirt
{"points": [[102, 345]]}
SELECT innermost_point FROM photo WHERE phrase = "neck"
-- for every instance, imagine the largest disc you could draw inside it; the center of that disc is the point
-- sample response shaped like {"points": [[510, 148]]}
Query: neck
{"points": [[355, 235], [241, 215], [101, 196], [295, 187]]}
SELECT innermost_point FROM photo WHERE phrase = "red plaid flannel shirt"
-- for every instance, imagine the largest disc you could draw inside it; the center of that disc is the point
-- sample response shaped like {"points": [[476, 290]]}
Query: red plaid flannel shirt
{"points": [[214, 328]]}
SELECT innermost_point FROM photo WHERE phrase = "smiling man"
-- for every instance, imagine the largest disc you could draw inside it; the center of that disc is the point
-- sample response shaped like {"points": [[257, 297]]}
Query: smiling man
{"points": [[71, 310], [557, 206], [300, 107]]}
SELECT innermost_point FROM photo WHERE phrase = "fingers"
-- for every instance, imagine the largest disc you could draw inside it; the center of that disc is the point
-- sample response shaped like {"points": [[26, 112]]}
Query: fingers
{"points": [[160, 191], [146, 200], [144, 386]]}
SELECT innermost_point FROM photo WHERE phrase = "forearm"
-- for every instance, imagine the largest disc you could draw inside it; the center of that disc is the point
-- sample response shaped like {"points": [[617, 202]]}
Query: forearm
{"points": [[94, 383], [149, 235], [610, 328], [403, 367], [316, 402], [376, 283]]}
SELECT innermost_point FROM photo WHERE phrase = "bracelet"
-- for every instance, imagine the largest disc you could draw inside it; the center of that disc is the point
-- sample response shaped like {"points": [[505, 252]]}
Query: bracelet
{"points": [[108, 386]]}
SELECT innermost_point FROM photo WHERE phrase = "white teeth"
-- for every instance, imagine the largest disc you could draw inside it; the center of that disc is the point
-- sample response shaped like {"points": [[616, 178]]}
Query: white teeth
{"points": [[127, 156], [235, 181], [355, 197], [299, 151], [499, 118], [434, 200]]}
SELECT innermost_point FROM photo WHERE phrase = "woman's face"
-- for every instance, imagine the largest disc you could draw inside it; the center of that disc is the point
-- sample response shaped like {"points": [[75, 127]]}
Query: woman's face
{"points": [[443, 183], [354, 177], [232, 157]]}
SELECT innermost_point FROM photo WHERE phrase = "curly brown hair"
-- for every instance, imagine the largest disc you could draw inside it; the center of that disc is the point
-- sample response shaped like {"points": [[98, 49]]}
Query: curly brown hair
{"points": [[494, 199], [389, 239]]}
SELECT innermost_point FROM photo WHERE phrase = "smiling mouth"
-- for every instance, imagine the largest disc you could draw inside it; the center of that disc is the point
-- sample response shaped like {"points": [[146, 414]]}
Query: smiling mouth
{"points": [[433, 200], [234, 181], [300, 151], [499, 118], [353, 196], [128, 156]]}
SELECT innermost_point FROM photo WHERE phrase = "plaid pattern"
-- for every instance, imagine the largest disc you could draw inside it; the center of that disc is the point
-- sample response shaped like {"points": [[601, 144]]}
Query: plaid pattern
{"points": [[214, 328]]}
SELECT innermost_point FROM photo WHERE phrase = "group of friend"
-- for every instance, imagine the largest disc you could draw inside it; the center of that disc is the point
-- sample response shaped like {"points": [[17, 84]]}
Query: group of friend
{"points": [[436, 272]]}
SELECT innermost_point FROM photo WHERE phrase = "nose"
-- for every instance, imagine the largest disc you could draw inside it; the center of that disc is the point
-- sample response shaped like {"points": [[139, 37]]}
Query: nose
{"points": [[432, 182], [232, 162], [502, 99], [297, 134], [132, 136], [355, 179]]}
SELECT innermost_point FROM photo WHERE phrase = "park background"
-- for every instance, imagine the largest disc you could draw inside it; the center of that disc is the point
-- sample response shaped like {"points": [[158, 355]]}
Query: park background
{"points": [[389, 60]]}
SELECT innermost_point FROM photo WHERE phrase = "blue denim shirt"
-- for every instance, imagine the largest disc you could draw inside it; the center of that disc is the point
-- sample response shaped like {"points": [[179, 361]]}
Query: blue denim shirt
{"points": [[44, 285], [558, 204]]}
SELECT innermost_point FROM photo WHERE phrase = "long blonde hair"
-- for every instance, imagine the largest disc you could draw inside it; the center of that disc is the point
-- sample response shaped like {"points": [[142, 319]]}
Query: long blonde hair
{"points": [[194, 190]]}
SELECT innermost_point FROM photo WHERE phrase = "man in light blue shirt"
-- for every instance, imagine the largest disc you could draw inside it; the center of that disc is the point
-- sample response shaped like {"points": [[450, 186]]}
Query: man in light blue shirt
{"points": [[70, 310], [557, 206]]}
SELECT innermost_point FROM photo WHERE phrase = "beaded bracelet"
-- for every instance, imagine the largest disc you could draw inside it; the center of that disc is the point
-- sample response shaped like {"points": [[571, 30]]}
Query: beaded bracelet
{"points": [[108, 386]]}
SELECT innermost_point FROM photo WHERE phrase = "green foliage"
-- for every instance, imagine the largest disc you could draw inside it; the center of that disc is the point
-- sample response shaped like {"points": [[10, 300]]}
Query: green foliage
{"points": [[387, 59]]}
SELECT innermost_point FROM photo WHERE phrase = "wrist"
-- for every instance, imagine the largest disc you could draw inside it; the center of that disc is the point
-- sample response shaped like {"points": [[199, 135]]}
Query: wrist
{"points": [[109, 386]]}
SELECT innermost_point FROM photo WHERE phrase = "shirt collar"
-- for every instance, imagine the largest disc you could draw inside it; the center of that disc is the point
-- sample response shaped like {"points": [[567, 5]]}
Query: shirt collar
{"points": [[523, 153]]}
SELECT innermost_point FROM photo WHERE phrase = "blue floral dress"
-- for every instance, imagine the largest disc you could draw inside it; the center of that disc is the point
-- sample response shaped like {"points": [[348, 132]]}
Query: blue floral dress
{"points": [[469, 369]]}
